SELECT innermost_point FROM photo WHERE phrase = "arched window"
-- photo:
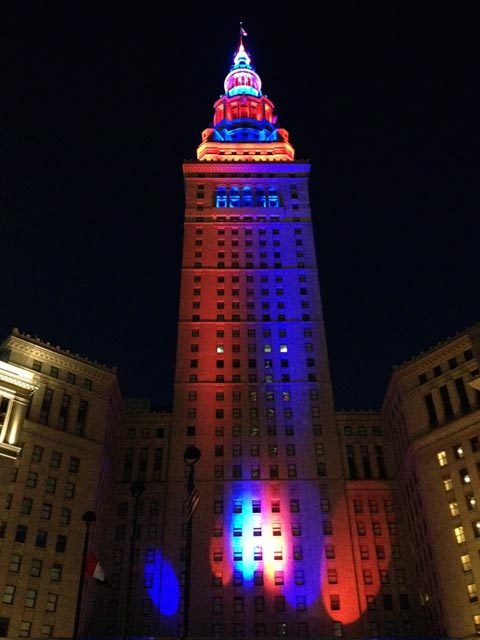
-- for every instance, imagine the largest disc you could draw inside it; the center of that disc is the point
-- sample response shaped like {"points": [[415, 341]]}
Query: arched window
{"points": [[273, 197], [247, 199], [221, 197], [260, 197], [234, 197]]}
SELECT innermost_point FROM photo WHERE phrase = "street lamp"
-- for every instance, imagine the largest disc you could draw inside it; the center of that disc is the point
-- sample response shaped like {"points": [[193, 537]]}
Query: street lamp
{"points": [[88, 517], [136, 489], [190, 457]]}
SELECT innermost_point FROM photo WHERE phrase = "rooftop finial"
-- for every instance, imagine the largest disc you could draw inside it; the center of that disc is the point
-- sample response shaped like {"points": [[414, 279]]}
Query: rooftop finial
{"points": [[243, 34]]}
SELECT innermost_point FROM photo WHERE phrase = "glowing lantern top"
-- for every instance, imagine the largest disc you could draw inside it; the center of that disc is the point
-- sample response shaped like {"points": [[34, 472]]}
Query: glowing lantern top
{"points": [[244, 125], [242, 77]]}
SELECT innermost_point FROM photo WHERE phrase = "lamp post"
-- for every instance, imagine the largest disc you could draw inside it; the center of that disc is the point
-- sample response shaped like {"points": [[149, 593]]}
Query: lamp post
{"points": [[190, 457], [88, 517], [136, 489]]}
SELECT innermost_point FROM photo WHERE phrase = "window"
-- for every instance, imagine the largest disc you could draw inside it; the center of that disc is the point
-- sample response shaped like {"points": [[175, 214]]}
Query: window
{"points": [[15, 562], [30, 598], [258, 578], [458, 451], [21, 533], [37, 454], [41, 539], [36, 568], [459, 534], [471, 501], [74, 464], [431, 411], [367, 576], [472, 592], [453, 506], [380, 551], [65, 515], [278, 578], [447, 483], [61, 543], [475, 444], [237, 554], [8, 594], [259, 604], [466, 564], [45, 406], [256, 506], [442, 458], [217, 604], [476, 528], [51, 485], [26, 506], [51, 604], [257, 553], [332, 576]]}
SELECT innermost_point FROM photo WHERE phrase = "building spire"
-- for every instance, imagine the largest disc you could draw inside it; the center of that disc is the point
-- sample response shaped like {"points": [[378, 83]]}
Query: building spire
{"points": [[243, 34]]}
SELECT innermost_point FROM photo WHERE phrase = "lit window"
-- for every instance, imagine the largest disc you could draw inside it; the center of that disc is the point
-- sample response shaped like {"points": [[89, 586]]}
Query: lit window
{"points": [[447, 483], [471, 501], [472, 592], [458, 451], [459, 534], [256, 506], [278, 577], [453, 506], [237, 554], [466, 564], [278, 553]]}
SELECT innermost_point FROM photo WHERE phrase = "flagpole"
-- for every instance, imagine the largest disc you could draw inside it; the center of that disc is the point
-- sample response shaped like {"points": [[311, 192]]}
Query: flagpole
{"points": [[190, 457], [88, 517]]}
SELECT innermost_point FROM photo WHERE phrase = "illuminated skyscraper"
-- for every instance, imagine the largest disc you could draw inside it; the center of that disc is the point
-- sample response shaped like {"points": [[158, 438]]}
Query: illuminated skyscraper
{"points": [[272, 549]]}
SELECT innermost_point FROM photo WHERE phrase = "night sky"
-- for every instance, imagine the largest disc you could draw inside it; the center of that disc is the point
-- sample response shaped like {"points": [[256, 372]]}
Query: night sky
{"points": [[101, 103]]}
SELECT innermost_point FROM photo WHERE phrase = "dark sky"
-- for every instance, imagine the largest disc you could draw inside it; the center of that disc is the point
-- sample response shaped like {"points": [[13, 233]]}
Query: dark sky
{"points": [[101, 103]]}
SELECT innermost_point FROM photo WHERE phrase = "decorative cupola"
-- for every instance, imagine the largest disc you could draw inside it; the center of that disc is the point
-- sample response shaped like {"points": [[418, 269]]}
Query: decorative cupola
{"points": [[244, 125]]}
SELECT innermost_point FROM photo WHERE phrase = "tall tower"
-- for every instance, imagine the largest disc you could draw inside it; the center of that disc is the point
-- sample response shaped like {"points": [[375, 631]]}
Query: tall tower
{"points": [[252, 385]]}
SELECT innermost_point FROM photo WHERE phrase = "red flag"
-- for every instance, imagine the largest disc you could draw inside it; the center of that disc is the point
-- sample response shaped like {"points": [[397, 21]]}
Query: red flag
{"points": [[94, 569]]}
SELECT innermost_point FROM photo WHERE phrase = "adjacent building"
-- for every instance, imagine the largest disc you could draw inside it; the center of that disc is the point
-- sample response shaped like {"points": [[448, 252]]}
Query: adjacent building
{"points": [[65, 442], [432, 413]]}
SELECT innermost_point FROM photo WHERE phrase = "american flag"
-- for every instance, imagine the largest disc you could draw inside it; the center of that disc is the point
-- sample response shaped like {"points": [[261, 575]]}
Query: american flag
{"points": [[191, 503]]}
